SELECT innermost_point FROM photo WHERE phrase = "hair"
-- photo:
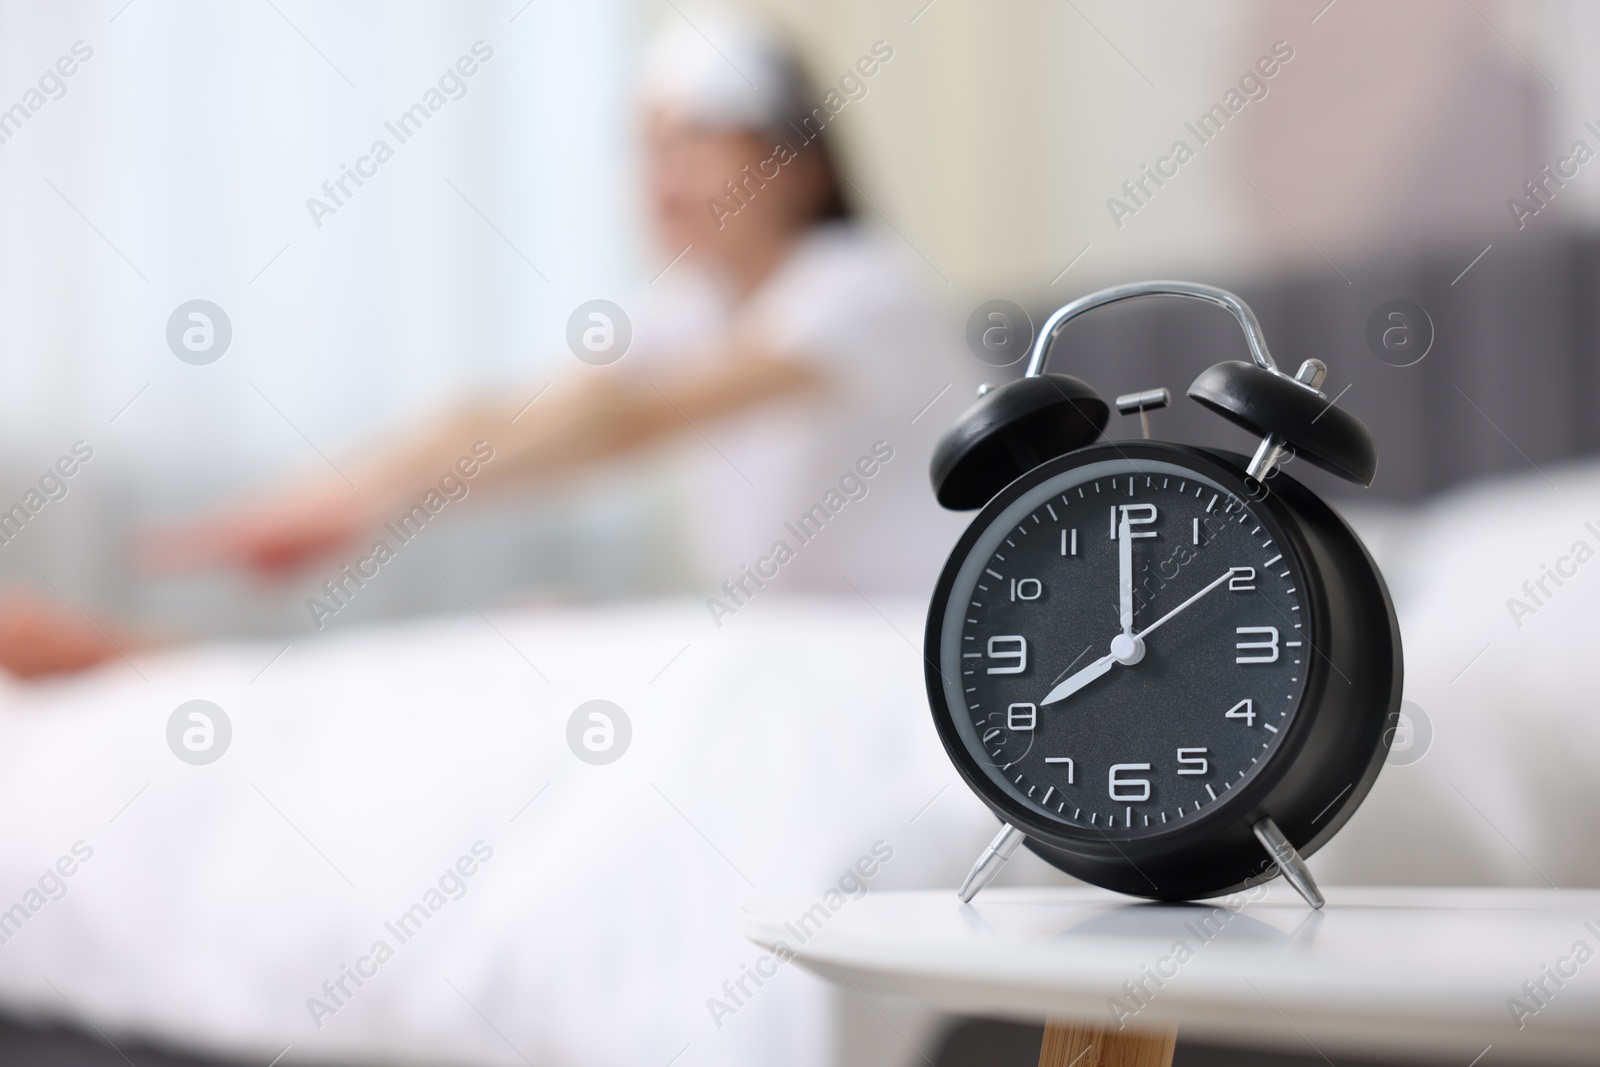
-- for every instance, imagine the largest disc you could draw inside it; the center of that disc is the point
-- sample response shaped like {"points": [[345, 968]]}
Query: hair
{"points": [[834, 206]]}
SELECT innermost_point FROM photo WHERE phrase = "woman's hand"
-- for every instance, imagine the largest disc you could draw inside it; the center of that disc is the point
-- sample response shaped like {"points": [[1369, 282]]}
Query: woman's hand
{"points": [[38, 639], [279, 532]]}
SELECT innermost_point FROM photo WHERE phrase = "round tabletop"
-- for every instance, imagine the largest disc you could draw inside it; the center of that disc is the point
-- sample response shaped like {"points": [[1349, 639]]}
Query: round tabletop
{"points": [[1443, 973]]}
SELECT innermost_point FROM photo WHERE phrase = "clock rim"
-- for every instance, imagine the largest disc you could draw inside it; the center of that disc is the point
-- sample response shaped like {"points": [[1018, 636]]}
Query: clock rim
{"points": [[1312, 529]]}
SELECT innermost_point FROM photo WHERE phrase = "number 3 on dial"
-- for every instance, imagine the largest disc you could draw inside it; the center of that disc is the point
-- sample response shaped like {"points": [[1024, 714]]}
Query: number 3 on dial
{"points": [[1264, 650]]}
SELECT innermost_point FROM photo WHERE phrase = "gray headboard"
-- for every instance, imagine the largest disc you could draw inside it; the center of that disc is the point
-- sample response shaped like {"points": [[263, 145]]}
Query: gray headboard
{"points": [[1511, 382]]}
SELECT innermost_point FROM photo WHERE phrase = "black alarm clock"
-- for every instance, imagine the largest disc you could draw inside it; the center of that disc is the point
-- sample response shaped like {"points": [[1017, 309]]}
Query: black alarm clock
{"points": [[1170, 671]]}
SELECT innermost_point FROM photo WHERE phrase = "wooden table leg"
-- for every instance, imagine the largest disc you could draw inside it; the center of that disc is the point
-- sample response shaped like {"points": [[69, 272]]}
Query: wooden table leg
{"points": [[1068, 1044]]}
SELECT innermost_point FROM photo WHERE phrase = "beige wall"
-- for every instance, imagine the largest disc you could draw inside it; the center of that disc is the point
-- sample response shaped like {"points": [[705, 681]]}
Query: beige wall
{"points": [[990, 138], [994, 138]]}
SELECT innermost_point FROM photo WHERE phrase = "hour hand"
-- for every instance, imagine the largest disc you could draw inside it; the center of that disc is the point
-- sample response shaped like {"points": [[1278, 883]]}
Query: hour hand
{"points": [[1081, 679]]}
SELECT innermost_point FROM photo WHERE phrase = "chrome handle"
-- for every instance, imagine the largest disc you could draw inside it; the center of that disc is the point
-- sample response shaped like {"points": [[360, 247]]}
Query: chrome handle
{"points": [[1118, 293]]}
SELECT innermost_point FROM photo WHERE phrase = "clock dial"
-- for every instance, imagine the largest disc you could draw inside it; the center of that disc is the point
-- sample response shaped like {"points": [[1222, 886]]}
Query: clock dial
{"points": [[1124, 646]]}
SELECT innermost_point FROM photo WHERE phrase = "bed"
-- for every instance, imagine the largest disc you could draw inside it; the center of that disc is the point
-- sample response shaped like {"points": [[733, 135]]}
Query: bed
{"points": [[412, 785]]}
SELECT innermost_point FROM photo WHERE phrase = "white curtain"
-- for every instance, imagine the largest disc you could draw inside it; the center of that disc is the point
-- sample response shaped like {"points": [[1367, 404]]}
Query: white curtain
{"points": [[175, 163]]}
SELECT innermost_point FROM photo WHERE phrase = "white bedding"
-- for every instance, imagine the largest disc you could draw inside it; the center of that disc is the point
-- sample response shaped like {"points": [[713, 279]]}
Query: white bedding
{"points": [[779, 749], [1509, 791], [768, 756]]}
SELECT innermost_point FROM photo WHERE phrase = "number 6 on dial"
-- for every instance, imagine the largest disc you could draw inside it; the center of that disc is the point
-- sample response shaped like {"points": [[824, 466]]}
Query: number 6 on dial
{"points": [[1121, 785]]}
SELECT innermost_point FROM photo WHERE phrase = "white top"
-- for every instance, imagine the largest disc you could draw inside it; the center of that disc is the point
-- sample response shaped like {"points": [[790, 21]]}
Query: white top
{"points": [[852, 304], [1437, 971]]}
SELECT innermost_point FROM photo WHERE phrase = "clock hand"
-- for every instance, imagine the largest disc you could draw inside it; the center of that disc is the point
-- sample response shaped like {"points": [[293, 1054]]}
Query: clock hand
{"points": [[1153, 627], [1068, 668], [1081, 679], [1125, 573], [1127, 649]]}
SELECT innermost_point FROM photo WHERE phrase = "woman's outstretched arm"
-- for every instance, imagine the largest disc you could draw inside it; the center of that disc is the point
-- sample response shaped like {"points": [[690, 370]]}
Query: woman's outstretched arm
{"points": [[591, 417]]}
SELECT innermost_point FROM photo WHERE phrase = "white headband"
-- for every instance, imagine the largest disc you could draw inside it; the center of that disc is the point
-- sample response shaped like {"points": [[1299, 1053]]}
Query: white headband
{"points": [[723, 69]]}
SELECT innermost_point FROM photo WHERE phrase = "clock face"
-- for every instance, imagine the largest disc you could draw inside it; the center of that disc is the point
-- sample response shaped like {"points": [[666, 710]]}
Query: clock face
{"points": [[1124, 646]]}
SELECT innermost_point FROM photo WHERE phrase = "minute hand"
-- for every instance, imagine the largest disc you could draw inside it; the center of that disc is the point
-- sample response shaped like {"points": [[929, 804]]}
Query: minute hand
{"points": [[1125, 573], [1153, 627]]}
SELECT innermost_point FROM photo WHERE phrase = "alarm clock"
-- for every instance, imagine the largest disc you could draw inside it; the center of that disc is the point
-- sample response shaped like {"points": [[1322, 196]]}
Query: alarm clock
{"points": [[1170, 671]]}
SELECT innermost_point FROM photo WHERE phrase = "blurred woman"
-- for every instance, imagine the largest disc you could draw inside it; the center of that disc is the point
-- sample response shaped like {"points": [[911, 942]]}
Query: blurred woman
{"points": [[789, 351]]}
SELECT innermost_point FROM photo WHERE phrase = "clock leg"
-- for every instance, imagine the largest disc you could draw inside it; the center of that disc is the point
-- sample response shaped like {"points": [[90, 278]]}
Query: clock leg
{"points": [[1293, 868], [989, 863], [1068, 1044]]}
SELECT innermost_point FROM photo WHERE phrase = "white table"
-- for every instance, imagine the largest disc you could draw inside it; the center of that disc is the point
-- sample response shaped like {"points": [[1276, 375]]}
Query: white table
{"points": [[1421, 972]]}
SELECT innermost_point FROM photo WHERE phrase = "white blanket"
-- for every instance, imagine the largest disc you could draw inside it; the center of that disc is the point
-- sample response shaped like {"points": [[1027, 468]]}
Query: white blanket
{"points": [[769, 756], [1508, 792]]}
